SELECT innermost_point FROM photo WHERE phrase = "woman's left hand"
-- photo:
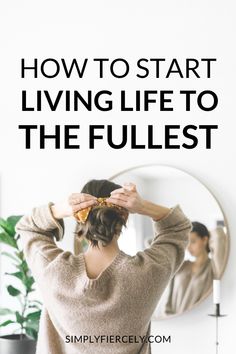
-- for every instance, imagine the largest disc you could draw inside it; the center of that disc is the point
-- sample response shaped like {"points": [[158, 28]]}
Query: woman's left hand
{"points": [[127, 197]]}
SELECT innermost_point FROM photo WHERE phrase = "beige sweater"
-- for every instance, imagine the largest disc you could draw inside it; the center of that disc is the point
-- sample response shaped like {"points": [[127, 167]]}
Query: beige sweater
{"points": [[100, 312], [187, 289]]}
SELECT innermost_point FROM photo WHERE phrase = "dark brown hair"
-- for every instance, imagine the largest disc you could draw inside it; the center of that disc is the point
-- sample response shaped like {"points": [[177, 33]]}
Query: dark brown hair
{"points": [[202, 231], [103, 223]]}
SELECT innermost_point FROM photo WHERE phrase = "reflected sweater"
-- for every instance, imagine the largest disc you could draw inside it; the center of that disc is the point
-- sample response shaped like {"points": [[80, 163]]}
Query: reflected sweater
{"points": [[109, 314]]}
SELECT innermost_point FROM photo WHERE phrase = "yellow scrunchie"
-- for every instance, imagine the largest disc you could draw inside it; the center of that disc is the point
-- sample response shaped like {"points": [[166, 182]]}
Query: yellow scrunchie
{"points": [[82, 215]]}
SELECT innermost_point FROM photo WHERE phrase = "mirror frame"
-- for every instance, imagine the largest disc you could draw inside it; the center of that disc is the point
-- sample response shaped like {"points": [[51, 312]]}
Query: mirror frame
{"points": [[209, 292]]}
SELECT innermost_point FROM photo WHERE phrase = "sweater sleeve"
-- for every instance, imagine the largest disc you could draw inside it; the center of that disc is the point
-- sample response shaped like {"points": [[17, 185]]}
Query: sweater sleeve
{"points": [[37, 232], [171, 236]]}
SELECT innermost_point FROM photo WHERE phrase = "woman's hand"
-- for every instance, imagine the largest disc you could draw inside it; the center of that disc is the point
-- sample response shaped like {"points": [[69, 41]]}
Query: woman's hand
{"points": [[127, 197], [75, 202]]}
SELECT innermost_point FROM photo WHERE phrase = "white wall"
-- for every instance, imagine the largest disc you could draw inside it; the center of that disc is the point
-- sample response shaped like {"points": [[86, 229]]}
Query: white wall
{"points": [[131, 30]]}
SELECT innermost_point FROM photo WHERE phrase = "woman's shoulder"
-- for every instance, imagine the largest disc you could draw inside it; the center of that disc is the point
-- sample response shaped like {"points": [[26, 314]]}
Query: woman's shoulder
{"points": [[186, 265]]}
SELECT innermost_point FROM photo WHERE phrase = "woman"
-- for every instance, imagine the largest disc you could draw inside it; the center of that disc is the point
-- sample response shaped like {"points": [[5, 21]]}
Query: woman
{"points": [[104, 297], [194, 279]]}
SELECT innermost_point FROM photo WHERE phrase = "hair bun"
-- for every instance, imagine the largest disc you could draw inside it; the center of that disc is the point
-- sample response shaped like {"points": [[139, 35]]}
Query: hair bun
{"points": [[103, 224]]}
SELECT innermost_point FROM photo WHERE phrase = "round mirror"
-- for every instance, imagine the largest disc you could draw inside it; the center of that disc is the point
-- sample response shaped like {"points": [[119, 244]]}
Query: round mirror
{"points": [[207, 253]]}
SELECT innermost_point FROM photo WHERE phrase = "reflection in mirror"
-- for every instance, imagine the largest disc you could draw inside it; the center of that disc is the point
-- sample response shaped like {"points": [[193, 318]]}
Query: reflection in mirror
{"points": [[207, 252]]}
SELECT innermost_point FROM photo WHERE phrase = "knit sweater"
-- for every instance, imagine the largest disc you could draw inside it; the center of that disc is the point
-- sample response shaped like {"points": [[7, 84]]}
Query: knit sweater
{"points": [[112, 313]]}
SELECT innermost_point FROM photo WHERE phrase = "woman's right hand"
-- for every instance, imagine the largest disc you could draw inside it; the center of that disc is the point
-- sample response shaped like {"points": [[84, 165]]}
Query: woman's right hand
{"points": [[128, 197], [75, 202]]}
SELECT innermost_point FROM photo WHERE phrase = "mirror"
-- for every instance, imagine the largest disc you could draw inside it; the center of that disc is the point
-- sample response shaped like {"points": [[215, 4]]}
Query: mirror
{"points": [[207, 252]]}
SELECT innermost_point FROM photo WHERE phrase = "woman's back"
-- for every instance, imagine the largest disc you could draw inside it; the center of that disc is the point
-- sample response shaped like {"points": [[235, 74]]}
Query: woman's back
{"points": [[96, 263], [118, 303]]}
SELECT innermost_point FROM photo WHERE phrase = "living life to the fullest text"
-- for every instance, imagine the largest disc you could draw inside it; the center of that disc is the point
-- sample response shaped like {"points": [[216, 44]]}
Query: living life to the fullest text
{"points": [[146, 101]]}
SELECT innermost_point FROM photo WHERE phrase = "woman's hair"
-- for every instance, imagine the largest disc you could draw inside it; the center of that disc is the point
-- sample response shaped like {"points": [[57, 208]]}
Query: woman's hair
{"points": [[103, 223], [202, 231]]}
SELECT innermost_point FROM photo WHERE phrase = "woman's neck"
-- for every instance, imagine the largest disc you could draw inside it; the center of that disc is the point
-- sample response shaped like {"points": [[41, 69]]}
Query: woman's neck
{"points": [[106, 252], [201, 259], [98, 259], [198, 263]]}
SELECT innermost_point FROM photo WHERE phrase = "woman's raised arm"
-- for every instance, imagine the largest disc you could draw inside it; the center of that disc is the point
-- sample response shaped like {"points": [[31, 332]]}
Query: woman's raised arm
{"points": [[171, 229], [39, 230]]}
